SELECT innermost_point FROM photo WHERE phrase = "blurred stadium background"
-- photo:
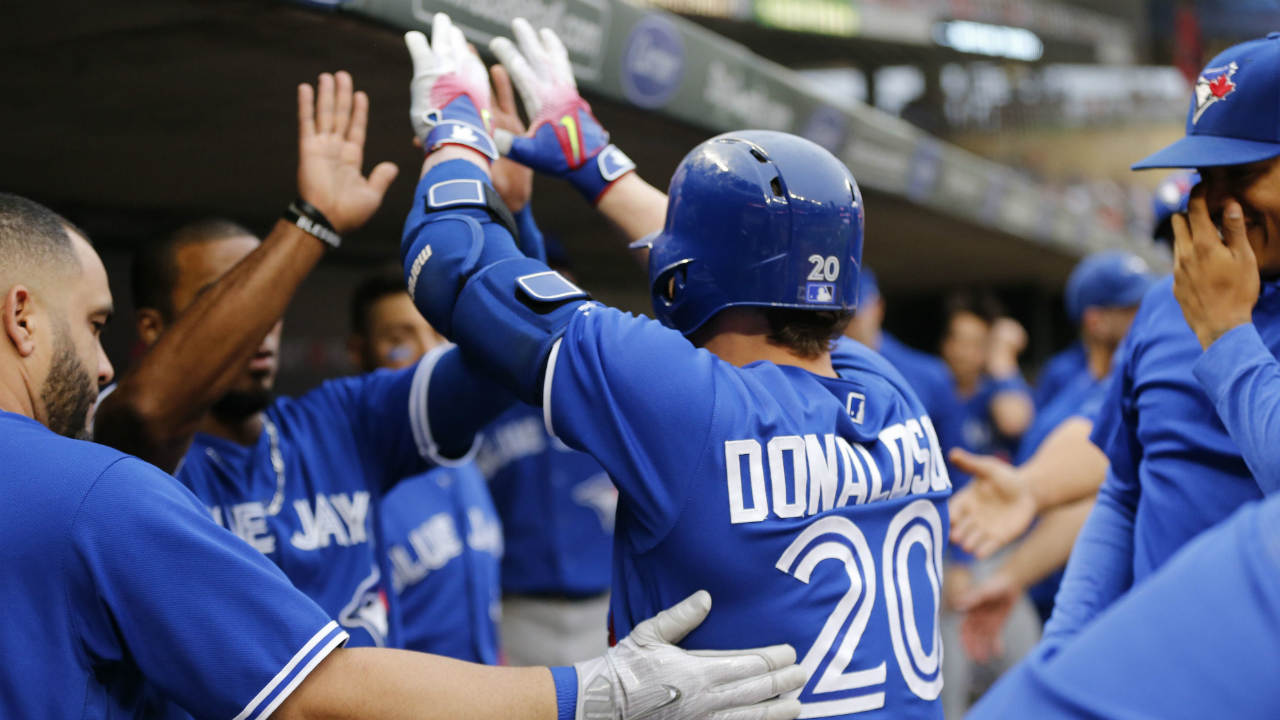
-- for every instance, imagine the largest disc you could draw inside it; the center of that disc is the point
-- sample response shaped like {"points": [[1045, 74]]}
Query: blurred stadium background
{"points": [[991, 137]]}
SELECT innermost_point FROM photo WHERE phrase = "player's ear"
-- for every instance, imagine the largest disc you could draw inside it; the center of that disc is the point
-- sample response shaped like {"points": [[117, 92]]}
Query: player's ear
{"points": [[21, 319], [150, 323]]}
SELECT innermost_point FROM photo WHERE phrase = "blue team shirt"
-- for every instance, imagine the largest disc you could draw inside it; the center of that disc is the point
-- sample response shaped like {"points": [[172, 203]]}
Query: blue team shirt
{"points": [[979, 430], [1059, 370], [1174, 470], [746, 482], [1081, 396], [1196, 640], [557, 507], [118, 589], [343, 445], [444, 543], [930, 377]]}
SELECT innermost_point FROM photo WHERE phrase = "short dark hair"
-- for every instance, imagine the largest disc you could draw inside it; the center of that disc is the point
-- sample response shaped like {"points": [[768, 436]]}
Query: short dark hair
{"points": [[807, 333], [974, 302], [375, 286], [32, 235], [155, 271]]}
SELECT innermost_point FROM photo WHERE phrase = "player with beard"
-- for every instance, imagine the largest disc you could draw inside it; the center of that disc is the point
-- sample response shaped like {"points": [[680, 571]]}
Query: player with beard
{"points": [[116, 585], [298, 479]]}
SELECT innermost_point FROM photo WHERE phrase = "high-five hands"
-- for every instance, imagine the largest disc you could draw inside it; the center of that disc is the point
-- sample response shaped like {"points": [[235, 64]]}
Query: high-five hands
{"points": [[331, 129], [1215, 276], [449, 93], [564, 140], [647, 676]]}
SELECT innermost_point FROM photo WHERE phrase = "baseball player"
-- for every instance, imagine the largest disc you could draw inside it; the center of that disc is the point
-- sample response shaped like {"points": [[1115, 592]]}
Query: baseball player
{"points": [[119, 589], [1127, 662], [444, 541], [812, 503], [298, 479], [1174, 470]]}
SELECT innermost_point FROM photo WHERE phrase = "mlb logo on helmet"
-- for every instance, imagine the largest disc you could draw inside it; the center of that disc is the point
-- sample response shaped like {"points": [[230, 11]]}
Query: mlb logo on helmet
{"points": [[1234, 115], [820, 293]]}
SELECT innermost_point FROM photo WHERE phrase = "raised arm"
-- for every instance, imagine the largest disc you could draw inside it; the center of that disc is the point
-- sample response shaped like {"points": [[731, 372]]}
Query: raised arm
{"points": [[566, 139], [158, 404], [1216, 283]]}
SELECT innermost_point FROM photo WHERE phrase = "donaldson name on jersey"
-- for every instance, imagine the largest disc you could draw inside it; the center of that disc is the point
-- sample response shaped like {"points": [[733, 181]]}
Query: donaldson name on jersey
{"points": [[813, 509]]}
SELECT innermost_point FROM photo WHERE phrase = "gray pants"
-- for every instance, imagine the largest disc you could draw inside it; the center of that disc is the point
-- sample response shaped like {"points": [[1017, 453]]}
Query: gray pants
{"points": [[553, 631], [963, 680]]}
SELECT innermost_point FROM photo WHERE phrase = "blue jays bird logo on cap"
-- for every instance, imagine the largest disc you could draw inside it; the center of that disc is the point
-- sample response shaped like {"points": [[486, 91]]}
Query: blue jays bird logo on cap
{"points": [[1214, 84]]}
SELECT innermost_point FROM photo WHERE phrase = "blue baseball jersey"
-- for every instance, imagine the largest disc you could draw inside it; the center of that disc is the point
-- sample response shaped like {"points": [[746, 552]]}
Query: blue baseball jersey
{"points": [[557, 507], [1195, 640], [1081, 396], [1059, 370], [1241, 376], [979, 430], [118, 591], [931, 379], [813, 509], [341, 446], [444, 543], [1174, 470]]}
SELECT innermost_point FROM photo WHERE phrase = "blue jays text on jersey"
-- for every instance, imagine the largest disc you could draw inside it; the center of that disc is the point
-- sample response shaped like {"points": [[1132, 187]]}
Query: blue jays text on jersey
{"points": [[445, 544], [1174, 470], [117, 587], [845, 470], [340, 447], [557, 507]]}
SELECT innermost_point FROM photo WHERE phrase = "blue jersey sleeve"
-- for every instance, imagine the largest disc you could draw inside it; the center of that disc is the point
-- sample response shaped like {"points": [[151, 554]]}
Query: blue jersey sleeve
{"points": [[1242, 378], [1195, 640], [618, 387], [211, 623], [1101, 564]]}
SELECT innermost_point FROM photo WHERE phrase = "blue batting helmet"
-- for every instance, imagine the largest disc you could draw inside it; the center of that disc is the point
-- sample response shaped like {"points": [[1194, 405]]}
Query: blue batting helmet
{"points": [[759, 218]]}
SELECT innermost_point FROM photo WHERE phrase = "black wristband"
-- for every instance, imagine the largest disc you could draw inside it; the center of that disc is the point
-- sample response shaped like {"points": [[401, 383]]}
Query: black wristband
{"points": [[313, 222]]}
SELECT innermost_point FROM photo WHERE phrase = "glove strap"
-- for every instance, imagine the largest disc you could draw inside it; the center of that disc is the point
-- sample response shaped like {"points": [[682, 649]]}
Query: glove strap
{"points": [[599, 173], [312, 222], [458, 132], [566, 679]]}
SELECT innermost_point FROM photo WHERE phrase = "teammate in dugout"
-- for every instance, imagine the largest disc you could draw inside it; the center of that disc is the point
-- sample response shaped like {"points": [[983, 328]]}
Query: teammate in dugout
{"points": [[812, 502], [118, 587], [1219, 592], [444, 541], [1174, 470]]}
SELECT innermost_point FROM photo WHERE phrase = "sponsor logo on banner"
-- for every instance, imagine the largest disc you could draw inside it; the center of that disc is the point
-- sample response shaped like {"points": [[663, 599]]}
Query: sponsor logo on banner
{"points": [[653, 62], [827, 126], [582, 25], [727, 92]]}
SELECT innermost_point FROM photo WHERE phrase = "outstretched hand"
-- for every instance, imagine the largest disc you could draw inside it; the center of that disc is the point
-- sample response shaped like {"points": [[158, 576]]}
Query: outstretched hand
{"points": [[332, 120], [1215, 276], [994, 509], [986, 610]]}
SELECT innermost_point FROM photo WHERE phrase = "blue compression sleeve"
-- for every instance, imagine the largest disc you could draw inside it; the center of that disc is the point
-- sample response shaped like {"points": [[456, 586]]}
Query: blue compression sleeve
{"points": [[1101, 566], [461, 401], [531, 240], [1242, 378]]}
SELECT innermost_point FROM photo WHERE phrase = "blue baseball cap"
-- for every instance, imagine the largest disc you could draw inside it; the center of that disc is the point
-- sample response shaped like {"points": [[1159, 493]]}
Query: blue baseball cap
{"points": [[1114, 278], [1234, 117], [868, 288]]}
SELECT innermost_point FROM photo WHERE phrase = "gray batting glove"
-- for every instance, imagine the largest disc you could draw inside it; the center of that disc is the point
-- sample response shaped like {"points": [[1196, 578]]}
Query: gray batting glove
{"points": [[647, 676]]}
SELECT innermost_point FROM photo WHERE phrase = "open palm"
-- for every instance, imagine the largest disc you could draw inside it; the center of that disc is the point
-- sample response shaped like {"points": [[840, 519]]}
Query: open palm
{"points": [[332, 120]]}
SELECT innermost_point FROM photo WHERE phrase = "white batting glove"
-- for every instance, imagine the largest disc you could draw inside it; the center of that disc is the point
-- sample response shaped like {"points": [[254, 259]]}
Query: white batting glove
{"points": [[449, 93], [647, 676], [565, 139]]}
